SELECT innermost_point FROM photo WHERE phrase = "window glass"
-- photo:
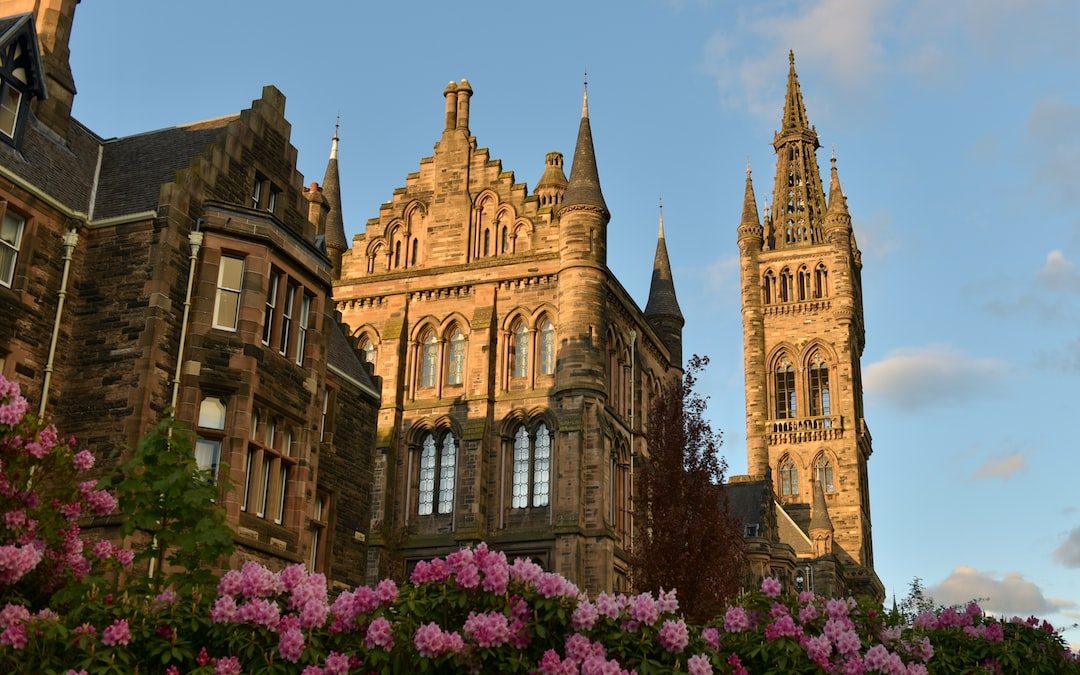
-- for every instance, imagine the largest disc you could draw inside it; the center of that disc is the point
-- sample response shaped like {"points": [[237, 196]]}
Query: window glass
{"points": [[9, 110], [207, 454], [286, 317], [11, 231], [447, 474], [789, 478], [547, 348], [455, 371], [302, 325], [521, 350], [212, 414], [542, 467], [429, 356], [520, 482], [230, 281], [785, 391], [427, 476], [271, 303]]}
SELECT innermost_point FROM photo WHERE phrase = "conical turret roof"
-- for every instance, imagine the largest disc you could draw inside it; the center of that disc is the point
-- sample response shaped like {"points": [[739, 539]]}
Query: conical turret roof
{"points": [[662, 300], [584, 186], [335, 225], [837, 200], [819, 512], [749, 208]]}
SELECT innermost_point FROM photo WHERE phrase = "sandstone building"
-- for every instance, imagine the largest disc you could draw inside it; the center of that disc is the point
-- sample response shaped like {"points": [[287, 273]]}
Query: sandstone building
{"points": [[516, 369], [184, 268], [806, 501]]}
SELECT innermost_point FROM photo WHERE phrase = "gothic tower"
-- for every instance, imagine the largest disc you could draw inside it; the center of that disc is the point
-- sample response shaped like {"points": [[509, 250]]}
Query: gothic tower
{"points": [[803, 339]]}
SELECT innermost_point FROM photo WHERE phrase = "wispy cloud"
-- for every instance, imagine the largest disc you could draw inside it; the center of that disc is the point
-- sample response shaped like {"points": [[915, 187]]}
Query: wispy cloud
{"points": [[1068, 554], [1002, 467], [920, 377], [1010, 593], [723, 274], [1058, 272], [1056, 148]]}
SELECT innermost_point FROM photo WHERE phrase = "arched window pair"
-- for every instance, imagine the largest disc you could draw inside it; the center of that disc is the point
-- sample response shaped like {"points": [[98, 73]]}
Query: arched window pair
{"points": [[436, 473], [493, 230], [435, 355], [521, 348], [785, 392], [531, 467], [789, 476]]}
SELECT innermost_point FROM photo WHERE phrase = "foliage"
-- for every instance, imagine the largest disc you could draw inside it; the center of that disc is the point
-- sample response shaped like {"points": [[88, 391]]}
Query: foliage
{"points": [[170, 502], [917, 601], [686, 537]]}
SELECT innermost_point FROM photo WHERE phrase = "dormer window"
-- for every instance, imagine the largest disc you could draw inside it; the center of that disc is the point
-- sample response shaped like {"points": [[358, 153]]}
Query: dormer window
{"points": [[21, 77]]}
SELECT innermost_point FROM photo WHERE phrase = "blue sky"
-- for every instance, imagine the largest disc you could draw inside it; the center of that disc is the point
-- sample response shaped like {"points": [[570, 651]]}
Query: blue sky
{"points": [[955, 127]]}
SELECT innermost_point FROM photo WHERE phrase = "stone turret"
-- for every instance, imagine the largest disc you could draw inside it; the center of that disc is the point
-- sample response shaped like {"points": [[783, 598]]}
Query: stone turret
{"points": [[552, 185], [336, 244], [757, 404], [662, 309]]}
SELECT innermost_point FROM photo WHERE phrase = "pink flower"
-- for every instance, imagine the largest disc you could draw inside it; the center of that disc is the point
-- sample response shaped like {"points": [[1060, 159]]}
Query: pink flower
{"points": [[711, 636], [783, 627], [489, 629], [585, 616], [261, 612], [807, 613], [877, 657], [83, 460], [386, 592], [807, 596], [667, 602], [771, 586], [818, 649], [103, 549], [14, 636], [291, 644], [526, 571], [16, 561], [836, 608], [673, 636], [736, 620], [579, 648], [101, 502], [224, 610], [699, 665], [336, 664], [380, 634], [847, 643], [736, 665], [13, 614], [116, 634], [643, 608], [431, 641], [607, 605], [228, 665], [15, 519]]}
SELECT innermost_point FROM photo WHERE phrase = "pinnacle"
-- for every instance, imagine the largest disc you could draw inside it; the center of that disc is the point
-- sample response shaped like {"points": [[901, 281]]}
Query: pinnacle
{"points": [[749, 212], [584, 186], [662, 300], [837, 200], [335, 226]]}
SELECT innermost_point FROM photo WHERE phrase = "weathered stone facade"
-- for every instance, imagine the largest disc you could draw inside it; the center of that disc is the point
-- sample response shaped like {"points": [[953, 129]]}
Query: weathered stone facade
{"points": [[493, 321], [197, 281], [803, 337]]}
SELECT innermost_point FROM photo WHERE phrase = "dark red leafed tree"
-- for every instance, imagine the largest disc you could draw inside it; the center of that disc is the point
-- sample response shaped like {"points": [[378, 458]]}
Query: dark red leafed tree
{"points": [[685, 536]]}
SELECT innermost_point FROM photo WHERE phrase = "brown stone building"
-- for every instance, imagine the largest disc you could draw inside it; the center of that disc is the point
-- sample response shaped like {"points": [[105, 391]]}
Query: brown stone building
{"points": [[516, 369], [806, 502], [183, 269]]}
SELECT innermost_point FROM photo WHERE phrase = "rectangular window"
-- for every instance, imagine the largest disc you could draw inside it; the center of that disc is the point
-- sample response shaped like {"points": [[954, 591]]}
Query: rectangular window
{"points": [[230, 281], [249, 467], [11, 232], [302, 328], [286, 317], [257, 191], [264, 488], [211, 424], [322, 420], [271, 303], [9, 110], [282, 492], [272, 200], [319, 520]]}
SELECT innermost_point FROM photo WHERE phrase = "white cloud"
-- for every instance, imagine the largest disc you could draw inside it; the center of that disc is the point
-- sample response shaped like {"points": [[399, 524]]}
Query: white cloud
{"points": [[1002, 467], [723, 274], [1059, 272], [1008, 594], [1068, 554], [920, 377]]}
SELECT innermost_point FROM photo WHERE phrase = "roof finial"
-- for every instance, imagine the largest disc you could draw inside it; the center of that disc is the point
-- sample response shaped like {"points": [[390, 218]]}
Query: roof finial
{"points": [[833, 158], [334, 140], [662, 216], [791, 57], [585, 97], [748, 166]]}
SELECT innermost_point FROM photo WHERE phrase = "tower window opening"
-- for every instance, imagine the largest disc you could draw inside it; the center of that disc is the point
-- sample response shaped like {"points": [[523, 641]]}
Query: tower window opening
{"points": [[824, 474], [789, 478], [820, 403], [786, 399]]}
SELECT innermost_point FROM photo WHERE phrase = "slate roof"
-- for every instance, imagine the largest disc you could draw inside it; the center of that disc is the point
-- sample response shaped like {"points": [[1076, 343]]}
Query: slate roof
{"points": [[342, 356], [133, 168], [662, 300], [584, 186], [745, 500], [63, 171]]}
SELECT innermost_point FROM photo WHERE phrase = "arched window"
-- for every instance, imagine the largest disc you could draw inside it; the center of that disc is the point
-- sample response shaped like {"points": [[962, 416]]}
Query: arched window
{"points": [[437, 474], [786, 290], [487, 241], [429, 359], [804, 283], [821, 281], [505, 240], [824, 475], [519, 350], [619, 512], [819, 387], [397, 254], [770, 287], [415, 249], [547, 348], [531, 470], [368, 349], [455, 368], [786, 401], [789, 478]]}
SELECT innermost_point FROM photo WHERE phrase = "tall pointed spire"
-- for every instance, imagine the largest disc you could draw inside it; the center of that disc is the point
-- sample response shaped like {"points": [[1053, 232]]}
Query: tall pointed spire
{"points": [[335, 226], [837, 200], [662, 301], [749, 208], [819, 512], [798, 209], [583, 191]]}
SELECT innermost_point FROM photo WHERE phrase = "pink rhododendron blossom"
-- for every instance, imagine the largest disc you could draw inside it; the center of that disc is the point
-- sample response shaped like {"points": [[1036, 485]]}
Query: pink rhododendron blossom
{"points": [[430, 641], [15, 519], [736, 665], [291, 644], [14, 636], [847, 642], [118, 633], [13, 614], [607, 605], [526, 571], [336, 664], [807, 613], [585, 616], [224, 610], [926, 620], [72, 671], [643, 608], [489, 629], [103, 549], [711, 636], [551, 664], [778, 609], [83, 460], [836, 608], [818, 649], [312, 670], [386, 592], [668, 602], [16, 561], [736, 620], [579, 647], [771, 587], [785, 626], [699, 665], [229, 665], [674, 636], [380, 634], [101, 502], [261, 612]]}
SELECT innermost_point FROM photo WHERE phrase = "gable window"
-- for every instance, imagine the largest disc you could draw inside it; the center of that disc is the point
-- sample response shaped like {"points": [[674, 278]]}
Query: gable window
{"points": [[18, 65], [786, 401], [520, 350], [227, 303], [820, 405], [271, 303], [429, 359], [789, 478], [547, 348], [824, 474], [302, 328], [211, 426], [11, 232], [438, 472], [455, 370], [531, 469]]}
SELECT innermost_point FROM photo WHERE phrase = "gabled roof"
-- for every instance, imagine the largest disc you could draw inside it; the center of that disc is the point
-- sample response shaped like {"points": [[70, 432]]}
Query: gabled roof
{"points": [[133, 168], [21, 26], [342, 357]]}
